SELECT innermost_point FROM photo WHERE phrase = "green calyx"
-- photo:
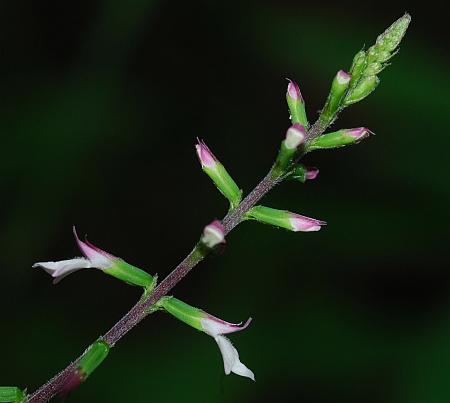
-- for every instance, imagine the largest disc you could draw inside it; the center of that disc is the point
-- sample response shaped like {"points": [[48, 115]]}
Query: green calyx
{"points": [[367, 65], [298, 173], [365, 86], [297, 111], [337, 93], [267, 215], [283, 161], [336, 139], [130, 274], [182, 311], [225, 183], [11, 394], [93, 357]]}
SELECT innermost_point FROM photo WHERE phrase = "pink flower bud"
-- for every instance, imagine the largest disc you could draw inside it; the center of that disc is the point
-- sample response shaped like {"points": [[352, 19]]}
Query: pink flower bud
{"points": [[213, 234], [206, 157], [311, 173], [295, 136], [304, 224], [293, 91], [358, 133], [343, 77]]}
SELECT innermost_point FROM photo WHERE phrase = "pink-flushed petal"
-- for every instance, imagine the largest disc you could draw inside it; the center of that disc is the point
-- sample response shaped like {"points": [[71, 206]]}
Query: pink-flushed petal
{"points": [[230, 356], [358, 133], [311, 173], [343, 77], [295, 136], [293, 91], [305, 224], [205, 156], [214, 326], [59, 270], [213, 234], [98, 258]]}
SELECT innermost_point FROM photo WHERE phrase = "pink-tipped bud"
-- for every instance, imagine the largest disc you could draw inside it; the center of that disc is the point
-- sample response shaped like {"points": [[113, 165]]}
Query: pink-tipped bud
{"points": [[213, 234], [295, 136], [358, 133], [293, 91], [311, 173], [205, 156], [304, 224], [343, 77]]}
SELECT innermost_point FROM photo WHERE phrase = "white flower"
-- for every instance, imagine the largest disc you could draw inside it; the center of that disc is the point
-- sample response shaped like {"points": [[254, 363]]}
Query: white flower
{"points": [[95, 258], [216, 328]]}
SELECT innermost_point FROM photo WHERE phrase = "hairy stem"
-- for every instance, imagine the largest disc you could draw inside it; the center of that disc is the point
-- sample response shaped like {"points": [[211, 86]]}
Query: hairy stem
{"points": [[143, 307]]}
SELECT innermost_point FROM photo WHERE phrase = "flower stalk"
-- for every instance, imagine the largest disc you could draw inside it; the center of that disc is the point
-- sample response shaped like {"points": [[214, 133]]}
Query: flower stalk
{"points": [[300, 139]]}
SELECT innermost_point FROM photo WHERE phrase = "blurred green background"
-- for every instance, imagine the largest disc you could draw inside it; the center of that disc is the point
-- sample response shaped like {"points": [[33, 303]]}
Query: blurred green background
{"points": [[101, 102]]}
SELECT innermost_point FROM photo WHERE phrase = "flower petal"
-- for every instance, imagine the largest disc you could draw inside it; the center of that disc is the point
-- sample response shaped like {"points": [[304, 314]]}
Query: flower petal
{"points": [[99, 258], [230, 357], [59, 270], [215, 326]]}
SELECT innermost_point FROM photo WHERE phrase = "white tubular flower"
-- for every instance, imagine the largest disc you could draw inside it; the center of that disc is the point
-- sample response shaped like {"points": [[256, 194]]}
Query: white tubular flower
{"points": [[98, 259], [95, 258], [213, 327], [217, 328]]}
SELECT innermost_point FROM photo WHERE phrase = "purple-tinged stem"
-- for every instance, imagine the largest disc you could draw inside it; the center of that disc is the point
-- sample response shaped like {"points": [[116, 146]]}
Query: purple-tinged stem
{"points": [[141, 309]]}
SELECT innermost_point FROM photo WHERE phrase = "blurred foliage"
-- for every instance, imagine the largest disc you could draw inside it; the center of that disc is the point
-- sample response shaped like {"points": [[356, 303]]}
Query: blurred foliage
{"points": [[101, 103]]}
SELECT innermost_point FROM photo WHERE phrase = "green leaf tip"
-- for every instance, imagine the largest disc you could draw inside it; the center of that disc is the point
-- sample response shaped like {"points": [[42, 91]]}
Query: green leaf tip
{"points": [[368, 64]]}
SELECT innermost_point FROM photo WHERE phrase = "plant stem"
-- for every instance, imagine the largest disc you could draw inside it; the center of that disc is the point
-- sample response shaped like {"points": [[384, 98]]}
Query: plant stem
{"points": [[142, 308]]}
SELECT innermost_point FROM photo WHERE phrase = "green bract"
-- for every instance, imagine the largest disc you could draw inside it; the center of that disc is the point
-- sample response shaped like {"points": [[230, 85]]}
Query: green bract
{"points": [[93, 357], [11, 394]]}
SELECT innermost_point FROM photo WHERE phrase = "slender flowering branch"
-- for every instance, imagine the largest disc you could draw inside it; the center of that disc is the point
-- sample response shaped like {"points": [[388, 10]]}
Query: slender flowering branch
{"points": [[346, 89]]}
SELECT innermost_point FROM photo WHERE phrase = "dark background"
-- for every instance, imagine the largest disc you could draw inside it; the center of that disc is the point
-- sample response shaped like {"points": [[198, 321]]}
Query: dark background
{"points": [[101, 102]]}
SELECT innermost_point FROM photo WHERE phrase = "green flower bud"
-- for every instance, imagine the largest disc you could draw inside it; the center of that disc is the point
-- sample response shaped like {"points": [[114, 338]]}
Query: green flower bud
{"points": [[366, 65], [11, 394], [296, 104], [302, 173], [217, 172], [338, 139], [358, 66], [284, 219], [391, 38], [365, 86], [295, 137], [334, 101]]}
